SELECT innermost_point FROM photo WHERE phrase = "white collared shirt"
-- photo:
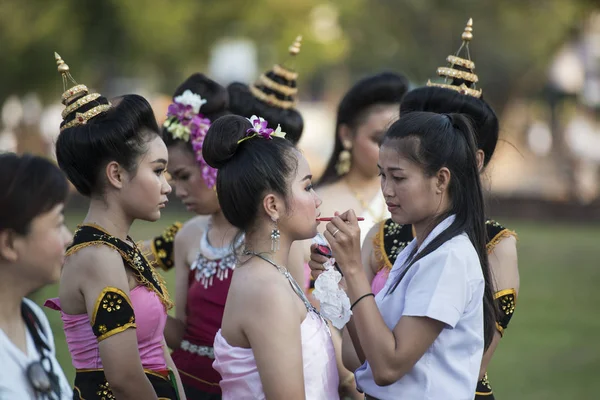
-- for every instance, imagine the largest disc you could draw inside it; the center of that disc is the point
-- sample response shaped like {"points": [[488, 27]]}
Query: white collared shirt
{"points": [[446, 285], [13, 379]]}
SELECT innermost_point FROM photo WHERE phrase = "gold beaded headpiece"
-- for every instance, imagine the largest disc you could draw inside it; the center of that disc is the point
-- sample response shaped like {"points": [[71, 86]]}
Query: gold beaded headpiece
{"points": [[81, 105], [277, 87], [461, 71]]}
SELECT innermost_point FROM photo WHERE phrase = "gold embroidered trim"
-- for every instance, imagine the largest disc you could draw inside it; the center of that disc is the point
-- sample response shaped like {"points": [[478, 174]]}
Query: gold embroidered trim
{"points": [[164, 296], [75, 90], [147, 371], [278, 87], [83, 118], [463, 89], [116, 330], [504, 233], [504, 292], [454, 60], [158, 262], [285, 73], [78, 392], [499, 328], [455, 73], [197, 379], [153, 373], [379, 249], [271, 98], [75, 105], [101, 296]]}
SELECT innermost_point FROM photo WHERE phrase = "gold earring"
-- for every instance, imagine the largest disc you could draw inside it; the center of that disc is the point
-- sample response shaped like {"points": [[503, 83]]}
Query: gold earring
{"points": [[344, 161]]}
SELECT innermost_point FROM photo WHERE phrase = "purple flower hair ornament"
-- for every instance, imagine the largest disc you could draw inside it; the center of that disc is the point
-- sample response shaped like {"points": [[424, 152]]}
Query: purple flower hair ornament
{"points": [[260, 129], [185, 122]]}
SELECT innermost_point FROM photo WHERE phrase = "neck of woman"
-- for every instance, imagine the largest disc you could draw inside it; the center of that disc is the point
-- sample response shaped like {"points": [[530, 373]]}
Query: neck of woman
{"points": [[260, 243], [111, 218], [221, 233], [425, 227], [12, 291]]}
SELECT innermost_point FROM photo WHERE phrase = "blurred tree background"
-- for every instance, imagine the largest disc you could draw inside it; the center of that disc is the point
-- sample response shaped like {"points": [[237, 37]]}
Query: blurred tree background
{"points": [[161, 41], [550, 351]]}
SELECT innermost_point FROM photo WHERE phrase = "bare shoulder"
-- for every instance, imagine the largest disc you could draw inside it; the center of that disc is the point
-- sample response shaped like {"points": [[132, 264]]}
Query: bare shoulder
{"points": [[94, 261], [259, 288], [505, 248], [193, 226], [373, 231], [504, 264], [191, 231], [86, 272]]}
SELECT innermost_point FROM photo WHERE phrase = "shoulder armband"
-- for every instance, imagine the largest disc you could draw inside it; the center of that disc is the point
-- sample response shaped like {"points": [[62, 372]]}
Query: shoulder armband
{"points": [[505, 307], [113, 313], [162, 247]]}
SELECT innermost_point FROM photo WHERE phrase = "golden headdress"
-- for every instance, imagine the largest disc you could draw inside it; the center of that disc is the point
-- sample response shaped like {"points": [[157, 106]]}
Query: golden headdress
{"points": [[277, 87], [81, 105], [460, 70]]}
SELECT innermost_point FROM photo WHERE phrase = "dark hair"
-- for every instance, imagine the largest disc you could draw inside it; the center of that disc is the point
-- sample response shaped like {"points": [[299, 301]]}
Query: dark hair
{"points": [[31, 186], [119, 134], [217, 103], [443, 101], [434, 141], [242, 102], [382, 88], [247, 170]]}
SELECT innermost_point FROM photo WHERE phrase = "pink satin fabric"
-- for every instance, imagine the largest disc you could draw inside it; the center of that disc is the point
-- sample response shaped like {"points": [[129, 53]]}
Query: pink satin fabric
{"points": [[379, 280], [150, 319], [240, 377]]}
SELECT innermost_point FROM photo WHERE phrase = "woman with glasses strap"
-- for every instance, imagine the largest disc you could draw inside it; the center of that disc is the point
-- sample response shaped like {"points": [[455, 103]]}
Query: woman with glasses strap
{"points": [[33, 238]]}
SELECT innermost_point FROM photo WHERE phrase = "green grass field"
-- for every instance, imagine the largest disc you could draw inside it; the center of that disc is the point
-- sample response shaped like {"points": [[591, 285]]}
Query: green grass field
{"points": [[550, 351]]}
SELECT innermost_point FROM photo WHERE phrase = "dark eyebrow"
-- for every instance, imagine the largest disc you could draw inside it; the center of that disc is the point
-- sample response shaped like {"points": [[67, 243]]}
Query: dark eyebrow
{"points": [[307, 177], [391, 168], [177, 171], [159, 161]]}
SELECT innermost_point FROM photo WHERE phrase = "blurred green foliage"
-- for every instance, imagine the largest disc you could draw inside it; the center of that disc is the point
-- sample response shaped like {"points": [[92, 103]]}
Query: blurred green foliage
{"points": [[161, 41]]}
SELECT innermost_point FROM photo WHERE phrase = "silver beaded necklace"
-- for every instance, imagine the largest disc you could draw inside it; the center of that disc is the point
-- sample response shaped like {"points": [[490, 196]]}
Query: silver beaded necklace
{"points": [[215, 261]]}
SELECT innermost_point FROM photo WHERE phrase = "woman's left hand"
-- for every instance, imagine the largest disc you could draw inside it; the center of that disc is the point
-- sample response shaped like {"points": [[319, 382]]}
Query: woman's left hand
{"points": [[343, 235]]}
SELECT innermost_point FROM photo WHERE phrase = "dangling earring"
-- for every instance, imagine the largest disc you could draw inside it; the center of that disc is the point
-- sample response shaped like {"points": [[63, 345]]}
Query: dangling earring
{"points": [[344, 160], [275, 235]]}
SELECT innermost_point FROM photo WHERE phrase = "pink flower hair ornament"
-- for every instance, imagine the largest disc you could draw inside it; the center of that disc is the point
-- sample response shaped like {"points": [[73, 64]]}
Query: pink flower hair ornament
{"points": [[185, 122], [260, 129]]}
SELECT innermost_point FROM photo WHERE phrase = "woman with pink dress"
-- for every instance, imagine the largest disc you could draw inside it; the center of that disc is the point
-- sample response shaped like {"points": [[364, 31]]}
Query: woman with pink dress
{"points": [[272, 342]]}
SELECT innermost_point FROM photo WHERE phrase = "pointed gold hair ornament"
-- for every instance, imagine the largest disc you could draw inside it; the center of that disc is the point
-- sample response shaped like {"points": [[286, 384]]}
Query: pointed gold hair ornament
{"points": [[277, 87], [77, 98], [295, 47], [464, 79]]}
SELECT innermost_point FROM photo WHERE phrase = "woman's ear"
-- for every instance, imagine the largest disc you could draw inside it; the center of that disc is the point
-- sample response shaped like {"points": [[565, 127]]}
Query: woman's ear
{"points": [[480, 157], [346, 136], [443, 180], [8, 251], [272, 206], [114, 174]]}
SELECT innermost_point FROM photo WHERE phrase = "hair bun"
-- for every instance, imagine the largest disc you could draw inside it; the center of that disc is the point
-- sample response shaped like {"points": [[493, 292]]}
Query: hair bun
{"points": [[216, 96], [221, 142]]}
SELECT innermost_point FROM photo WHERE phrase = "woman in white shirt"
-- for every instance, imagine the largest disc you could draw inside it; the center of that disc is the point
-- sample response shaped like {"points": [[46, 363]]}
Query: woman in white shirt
{"points": [[33, 238], [423, 335]]}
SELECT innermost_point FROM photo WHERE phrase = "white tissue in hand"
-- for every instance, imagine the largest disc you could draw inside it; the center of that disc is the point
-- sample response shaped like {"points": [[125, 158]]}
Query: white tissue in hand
{"points": [[335, 304]]}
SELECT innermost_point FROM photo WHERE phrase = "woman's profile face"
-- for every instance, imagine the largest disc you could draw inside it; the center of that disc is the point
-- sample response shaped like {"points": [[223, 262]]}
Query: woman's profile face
{"points": [[411, 195], [145, 192], [41, 252], [301, 219], [186, 179], [367, 137]]}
